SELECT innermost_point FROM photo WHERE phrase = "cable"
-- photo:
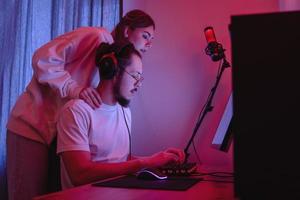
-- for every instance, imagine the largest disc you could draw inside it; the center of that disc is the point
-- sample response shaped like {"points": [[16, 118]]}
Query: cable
{"points": [[220, 181], [129, 134], [197, 155], [216, 174], [207, 100], [205, 107], [222, 177], [221, 174], [219, 68]]}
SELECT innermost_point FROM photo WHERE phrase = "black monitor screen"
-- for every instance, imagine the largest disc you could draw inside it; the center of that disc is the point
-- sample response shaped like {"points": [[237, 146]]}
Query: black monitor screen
{"points": [[265, 71]]}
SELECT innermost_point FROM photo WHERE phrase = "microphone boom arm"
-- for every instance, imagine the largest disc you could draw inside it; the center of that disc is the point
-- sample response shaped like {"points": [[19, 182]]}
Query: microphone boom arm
{"points": [[208, 106]]}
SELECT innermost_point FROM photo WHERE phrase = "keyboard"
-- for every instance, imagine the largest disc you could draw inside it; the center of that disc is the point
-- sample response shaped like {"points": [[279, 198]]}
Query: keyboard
{"points": [[185, 169]]}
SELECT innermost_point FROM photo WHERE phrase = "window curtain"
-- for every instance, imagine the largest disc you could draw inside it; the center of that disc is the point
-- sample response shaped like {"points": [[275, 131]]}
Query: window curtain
{"points": [[25, 25]]}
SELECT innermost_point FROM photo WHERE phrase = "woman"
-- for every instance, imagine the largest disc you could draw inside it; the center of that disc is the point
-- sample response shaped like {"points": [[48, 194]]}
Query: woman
{"points": [[64, 69]]}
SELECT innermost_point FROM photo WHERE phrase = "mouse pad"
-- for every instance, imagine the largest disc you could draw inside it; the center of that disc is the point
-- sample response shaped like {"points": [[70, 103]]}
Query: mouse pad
{"points": [[172, 183]]}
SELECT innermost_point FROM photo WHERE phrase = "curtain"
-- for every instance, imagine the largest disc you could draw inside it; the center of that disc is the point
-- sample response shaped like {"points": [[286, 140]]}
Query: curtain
{"points": [[25, 25]]}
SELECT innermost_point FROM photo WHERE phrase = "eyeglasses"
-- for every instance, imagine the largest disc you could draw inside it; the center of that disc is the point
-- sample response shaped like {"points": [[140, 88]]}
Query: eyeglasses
{"points": [[138, 79]]}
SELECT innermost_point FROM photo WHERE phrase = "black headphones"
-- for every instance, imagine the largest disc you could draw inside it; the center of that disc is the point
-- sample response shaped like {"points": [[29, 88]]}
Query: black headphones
{"points": [[108, 64]]}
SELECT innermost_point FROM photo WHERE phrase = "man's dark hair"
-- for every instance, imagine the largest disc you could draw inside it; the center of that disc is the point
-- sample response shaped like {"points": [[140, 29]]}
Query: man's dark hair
{"points": [[111, 59]]}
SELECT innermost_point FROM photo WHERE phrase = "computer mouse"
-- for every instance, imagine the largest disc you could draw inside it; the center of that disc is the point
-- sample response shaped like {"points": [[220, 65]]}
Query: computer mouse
{"points": [[150, 174]]}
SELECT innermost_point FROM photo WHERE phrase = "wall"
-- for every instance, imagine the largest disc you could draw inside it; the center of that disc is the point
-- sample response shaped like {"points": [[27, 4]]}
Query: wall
{"points": [[179, 76], [289, 5]]}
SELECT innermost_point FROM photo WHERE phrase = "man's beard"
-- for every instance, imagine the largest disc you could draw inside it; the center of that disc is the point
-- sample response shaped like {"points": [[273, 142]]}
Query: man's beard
{"points": [[120, 99]]}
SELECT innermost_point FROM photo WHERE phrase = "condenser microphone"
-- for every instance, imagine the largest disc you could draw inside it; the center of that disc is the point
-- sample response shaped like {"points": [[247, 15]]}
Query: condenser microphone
{"points": [[213, 49]]}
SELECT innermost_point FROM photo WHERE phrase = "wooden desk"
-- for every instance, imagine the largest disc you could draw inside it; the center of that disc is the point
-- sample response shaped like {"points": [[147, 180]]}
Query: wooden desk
{"points": [[204, 190]]}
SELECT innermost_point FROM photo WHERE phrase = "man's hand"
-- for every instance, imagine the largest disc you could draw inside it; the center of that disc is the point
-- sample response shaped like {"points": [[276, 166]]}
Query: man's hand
{"points": [[169, 156], [91, 97], [179, 153]]}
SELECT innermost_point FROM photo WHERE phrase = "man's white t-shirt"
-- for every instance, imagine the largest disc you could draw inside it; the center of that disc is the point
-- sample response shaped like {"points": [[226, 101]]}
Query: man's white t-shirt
{"points": [[102, 132]]}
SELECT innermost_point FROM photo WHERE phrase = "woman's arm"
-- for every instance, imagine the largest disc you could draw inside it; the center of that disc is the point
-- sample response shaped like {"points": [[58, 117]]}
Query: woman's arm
{"points": [[49, 61]]}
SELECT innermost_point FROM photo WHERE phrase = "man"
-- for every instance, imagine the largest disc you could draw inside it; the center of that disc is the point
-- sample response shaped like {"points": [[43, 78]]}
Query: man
{"points": [[94, 144]]}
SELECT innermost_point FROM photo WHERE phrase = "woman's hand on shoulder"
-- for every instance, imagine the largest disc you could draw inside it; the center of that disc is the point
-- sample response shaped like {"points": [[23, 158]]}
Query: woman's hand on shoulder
{"points": [[91, 97]]}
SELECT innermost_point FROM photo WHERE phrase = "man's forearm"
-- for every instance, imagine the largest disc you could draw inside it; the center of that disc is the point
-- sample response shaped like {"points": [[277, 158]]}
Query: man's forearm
{"points": [[96, 171]]}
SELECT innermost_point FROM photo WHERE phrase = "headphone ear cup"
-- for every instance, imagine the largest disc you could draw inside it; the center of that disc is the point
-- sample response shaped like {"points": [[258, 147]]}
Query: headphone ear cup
{"points": [[108, 67]]}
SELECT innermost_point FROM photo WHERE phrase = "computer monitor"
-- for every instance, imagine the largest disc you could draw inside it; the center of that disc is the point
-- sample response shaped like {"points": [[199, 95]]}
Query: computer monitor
{"points": [[266, 105], [224, 134]]}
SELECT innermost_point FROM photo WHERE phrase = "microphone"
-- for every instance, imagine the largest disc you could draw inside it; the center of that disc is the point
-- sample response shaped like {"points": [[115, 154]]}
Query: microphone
{"points": [[214, 49], [216, 52]]}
